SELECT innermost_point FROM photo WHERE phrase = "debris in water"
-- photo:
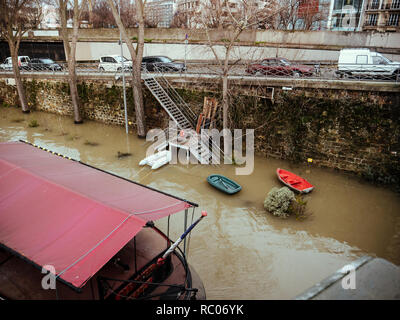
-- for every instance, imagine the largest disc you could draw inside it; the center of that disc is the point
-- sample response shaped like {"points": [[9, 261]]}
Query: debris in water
{"points": [[91, 144], [17, 120], [298, 208], [33, 124], [123, 154]]}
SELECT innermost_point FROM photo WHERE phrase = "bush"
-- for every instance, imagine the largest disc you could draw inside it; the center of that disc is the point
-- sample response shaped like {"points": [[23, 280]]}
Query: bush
{"points": [[278, 201]]}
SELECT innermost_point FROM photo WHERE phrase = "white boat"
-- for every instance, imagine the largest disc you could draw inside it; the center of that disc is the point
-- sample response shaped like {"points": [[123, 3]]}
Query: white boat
{"points": [[157, 160]]}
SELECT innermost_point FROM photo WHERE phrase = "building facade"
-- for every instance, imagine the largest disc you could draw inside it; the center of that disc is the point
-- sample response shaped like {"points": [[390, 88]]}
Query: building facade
{"points": [[382, 15], [346, 15], [159, 13]]}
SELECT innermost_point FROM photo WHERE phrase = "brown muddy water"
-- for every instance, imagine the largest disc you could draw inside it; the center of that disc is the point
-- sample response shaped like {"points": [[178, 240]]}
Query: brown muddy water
{"points": [[240, 251]]}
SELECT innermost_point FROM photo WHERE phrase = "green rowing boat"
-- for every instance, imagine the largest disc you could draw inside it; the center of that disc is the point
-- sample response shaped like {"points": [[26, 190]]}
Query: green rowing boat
{"points": [[223, 183]]}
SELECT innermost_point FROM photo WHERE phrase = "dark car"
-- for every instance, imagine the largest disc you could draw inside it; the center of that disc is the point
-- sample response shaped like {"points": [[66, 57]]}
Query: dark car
{"points": [[162, 63], [44, 64], [280, 67]]}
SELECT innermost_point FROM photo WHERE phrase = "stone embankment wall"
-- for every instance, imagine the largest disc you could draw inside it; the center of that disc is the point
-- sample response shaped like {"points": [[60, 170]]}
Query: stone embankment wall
{"points": [[100, 101], [349, 130]]}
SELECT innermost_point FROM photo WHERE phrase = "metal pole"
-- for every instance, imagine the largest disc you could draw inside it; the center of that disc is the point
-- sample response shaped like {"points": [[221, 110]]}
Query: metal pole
{"points": [[184, 241], [186, 43], [123, 74]]}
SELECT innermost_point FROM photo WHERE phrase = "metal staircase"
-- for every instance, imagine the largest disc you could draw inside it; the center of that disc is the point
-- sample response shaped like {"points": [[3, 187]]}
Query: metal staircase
{"points": [[167, 103], [181, 113]]}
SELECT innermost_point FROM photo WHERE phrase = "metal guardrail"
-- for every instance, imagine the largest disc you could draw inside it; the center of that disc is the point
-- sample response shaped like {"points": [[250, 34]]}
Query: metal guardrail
{"points": [[319, 71]]}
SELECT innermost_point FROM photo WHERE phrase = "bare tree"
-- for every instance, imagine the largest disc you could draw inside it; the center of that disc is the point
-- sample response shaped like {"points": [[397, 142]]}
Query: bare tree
{"points": [[235, 18], [299, 14], [16, 18], [153, 16], [136, 55], [101, 15], [312, 14], [70, 51], [179, 20]]}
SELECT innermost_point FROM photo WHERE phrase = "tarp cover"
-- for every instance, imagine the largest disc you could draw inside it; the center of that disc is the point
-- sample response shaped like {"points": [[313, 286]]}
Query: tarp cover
{"points": [[59, 212]]}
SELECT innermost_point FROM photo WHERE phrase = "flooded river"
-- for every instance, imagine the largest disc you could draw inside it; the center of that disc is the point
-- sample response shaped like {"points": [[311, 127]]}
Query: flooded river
{"points": [[240, 251]]}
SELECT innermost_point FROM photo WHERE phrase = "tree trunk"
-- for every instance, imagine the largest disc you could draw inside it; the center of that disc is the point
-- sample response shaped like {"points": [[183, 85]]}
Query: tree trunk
{"points": [[225, 120], [72, 68], [17, 77], [70, 53], [136, 56], [225, 102], [137, 87]]}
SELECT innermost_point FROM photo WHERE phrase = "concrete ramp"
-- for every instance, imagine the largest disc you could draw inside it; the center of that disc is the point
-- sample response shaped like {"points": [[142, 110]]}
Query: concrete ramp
{"points": [[364, 279]]}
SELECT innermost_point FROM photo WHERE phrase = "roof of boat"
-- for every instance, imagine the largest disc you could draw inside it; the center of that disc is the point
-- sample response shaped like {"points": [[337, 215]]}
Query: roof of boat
{"points": [[62, 213]]}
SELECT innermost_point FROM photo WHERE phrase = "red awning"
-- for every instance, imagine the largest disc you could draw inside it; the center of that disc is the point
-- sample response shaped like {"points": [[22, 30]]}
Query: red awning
{"points": [[60, 212]]}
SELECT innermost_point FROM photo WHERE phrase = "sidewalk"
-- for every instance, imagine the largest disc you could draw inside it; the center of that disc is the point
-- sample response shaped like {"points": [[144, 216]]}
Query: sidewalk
{"points": [[375, 279]]}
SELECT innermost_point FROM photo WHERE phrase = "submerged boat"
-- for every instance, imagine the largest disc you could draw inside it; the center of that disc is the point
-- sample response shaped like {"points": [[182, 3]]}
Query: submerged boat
{"points": [[293, 181], [224, 184], [91, 229], [157, 160]]}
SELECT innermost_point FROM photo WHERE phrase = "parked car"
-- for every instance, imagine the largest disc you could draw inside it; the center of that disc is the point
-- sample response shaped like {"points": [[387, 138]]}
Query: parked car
{"points": [[44, 64], [280, 67], [366, 63], [113, 63], [162, 63], [23, 62]]}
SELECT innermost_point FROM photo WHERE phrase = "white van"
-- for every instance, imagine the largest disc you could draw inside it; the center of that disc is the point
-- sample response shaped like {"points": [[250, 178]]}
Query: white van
{"points": [[364, 62], [23, 62]]}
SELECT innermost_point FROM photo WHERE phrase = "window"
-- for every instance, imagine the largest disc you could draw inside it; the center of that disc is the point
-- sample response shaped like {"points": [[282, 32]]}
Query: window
{"points": [[118, 59], [284, 62], [395, 4], [378, 60], [375, 4], [372, 19], [362, 59], [48, 61], [164, 59], [393, 19]]}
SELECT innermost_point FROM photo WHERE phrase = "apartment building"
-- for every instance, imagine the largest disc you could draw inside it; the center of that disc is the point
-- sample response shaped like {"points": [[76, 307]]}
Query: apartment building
{"points": [[159, 13], [382, 15], [216, 10], [345, 15]]}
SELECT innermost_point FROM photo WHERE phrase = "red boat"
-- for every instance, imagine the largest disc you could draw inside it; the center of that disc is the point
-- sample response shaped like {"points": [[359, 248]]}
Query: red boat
{"points": [[294, 181]]}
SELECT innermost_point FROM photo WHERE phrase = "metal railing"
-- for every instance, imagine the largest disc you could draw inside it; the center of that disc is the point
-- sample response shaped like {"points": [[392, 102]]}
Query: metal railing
{"points": [[158, 73], [204, 139], [304, 71]]}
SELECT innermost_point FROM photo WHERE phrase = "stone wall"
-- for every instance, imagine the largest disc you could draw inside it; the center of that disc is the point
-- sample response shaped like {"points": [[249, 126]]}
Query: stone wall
{"points": [[101, 101], [352, 131], [349, 130]]}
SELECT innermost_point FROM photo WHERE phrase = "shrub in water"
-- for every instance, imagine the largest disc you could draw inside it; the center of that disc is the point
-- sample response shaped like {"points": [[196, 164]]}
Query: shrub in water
{"points": [[278, 201]]}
